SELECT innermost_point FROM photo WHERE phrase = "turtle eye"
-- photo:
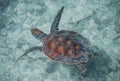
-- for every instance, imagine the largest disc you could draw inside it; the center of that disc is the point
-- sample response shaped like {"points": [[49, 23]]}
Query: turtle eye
{"points": [[36, 31]]}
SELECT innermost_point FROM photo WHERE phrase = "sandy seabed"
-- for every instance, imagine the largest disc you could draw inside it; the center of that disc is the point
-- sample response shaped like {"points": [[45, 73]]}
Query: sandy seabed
{"points": [[97, 20]]}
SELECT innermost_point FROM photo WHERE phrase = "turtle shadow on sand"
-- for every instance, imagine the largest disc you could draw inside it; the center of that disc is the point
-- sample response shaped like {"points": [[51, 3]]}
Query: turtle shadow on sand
{"points": [[97, 68]]}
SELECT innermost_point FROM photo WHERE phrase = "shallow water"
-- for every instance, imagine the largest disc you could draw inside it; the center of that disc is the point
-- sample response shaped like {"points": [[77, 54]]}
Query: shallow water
{"points": [[97, 20]]}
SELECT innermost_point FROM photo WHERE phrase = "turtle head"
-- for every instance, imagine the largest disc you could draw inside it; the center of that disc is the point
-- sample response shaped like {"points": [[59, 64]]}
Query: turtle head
{"points": [[38, 34]]}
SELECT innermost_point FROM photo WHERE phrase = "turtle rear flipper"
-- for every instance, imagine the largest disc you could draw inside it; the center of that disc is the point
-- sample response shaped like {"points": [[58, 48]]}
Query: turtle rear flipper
{"points": [[82, 68], [54, 26]]}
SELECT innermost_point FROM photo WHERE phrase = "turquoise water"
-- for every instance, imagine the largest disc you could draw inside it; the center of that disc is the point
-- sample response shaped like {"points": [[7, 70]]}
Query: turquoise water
{"points": [[97, 20]]}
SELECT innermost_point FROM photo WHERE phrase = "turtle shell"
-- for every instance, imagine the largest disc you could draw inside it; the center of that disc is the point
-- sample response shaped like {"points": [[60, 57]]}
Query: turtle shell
{"points": [[67, 46]]}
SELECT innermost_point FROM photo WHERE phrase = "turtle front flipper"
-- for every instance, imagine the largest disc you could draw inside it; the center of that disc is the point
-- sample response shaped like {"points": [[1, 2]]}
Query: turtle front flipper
{"points": [[37, 48], [54, 26], [38, 34]]}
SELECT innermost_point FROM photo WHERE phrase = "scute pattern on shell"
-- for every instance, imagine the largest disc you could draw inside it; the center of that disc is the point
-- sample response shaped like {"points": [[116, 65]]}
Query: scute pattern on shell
{"points": [[67, 46]]}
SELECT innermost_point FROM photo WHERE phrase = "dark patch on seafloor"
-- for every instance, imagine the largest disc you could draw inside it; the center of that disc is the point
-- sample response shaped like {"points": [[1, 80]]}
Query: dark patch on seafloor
{"points": [[52, 67], [3, 6]]}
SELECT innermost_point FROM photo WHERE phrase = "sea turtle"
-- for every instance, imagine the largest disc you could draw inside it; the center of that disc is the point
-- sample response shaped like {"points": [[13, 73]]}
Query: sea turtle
{"points": [[63, 46]]}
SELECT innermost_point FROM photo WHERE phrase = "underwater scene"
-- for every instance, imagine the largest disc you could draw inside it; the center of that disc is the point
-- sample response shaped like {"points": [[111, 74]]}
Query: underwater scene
{"points": [[59, 40]]}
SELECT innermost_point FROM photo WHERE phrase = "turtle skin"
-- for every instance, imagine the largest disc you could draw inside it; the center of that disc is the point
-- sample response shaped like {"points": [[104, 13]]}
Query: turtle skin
{"points": [[67, 47]]}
